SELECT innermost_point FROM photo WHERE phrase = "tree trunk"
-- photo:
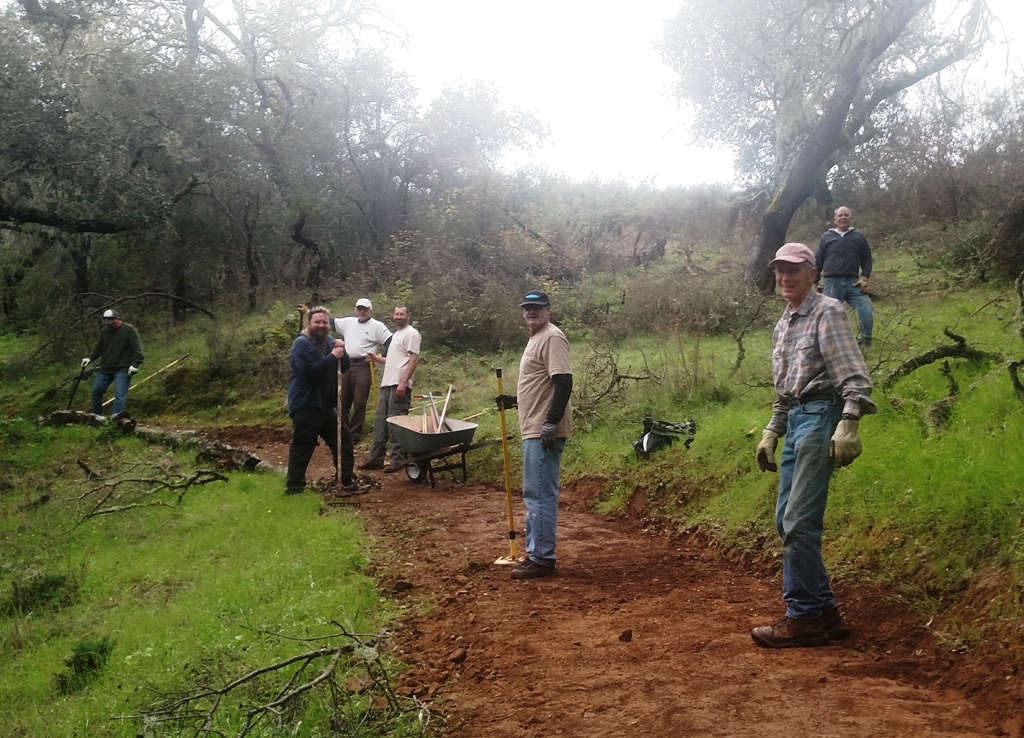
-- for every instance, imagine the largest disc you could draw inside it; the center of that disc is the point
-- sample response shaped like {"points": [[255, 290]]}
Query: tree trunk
{"points": [[81, 252], [179, 311], [805, 166]]}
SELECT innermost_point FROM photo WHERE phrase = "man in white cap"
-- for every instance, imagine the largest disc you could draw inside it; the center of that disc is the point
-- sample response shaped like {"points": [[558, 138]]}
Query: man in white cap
{"points": [[119, 350], [822, 388], [363, 334]]}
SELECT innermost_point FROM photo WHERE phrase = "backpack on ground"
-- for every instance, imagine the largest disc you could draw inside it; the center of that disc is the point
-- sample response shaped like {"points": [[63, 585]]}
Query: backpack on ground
{"points": [[663, 433]]}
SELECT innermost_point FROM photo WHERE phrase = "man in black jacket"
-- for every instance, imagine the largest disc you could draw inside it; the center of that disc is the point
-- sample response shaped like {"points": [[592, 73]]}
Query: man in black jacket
{"points": [[312, 401], [844, 260]]}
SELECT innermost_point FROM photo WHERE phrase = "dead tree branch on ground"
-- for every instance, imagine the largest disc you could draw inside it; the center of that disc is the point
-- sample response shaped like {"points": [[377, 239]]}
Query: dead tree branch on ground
{"points": [[959, 350], [197, 707], [121, 492], [602, 379]]}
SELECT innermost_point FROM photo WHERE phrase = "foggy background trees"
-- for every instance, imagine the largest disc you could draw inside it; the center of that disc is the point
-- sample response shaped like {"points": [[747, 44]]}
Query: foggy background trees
{"points": [[231, 153]]}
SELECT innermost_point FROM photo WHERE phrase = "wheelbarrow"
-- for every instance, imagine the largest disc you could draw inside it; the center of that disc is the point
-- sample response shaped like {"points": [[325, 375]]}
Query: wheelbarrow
{"points": [[429, 454]]}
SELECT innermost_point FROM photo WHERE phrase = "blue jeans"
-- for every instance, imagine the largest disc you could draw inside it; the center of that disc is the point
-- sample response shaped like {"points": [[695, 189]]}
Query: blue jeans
{"points": [[121, 382], [804, 474], [540, 496], [843, 288]]}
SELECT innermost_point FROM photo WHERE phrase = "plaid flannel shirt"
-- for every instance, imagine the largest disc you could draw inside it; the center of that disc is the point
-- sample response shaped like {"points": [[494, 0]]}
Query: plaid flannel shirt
{"points": [[814, 352]]}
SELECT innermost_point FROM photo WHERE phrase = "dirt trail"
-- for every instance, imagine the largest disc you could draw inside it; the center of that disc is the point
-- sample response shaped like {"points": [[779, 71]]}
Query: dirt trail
{"points": [[637, 635]]}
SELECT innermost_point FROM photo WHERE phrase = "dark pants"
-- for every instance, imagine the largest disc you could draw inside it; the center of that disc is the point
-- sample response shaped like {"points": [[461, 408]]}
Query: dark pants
{"points": [[355, 389], [307, 426]]}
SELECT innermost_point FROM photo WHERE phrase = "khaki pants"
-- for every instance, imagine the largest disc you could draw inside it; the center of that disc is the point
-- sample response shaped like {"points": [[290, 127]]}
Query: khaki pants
{"points": [[389, 404], [355, 390]]}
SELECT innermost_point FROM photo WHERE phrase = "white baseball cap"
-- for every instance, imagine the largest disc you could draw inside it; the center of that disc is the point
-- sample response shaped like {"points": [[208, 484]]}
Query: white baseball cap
{"points": [[362, 302]]}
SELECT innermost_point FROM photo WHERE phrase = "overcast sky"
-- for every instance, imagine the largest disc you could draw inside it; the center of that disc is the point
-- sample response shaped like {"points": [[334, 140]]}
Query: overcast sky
{"points": [[590, 71]]}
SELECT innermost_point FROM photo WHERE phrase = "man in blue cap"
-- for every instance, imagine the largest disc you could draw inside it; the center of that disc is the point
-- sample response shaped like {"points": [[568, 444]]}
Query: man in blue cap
{"points": [[545, 422]]}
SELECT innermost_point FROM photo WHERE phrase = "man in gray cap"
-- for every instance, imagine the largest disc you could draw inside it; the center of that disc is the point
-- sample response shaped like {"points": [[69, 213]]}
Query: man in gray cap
{"points": [[822, 388], [120, 353], [363, 334], [545, 422]]}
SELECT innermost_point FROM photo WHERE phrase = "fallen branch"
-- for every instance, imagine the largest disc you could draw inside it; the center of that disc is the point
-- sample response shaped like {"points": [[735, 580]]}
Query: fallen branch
{"points": [[226, 457], [197, 708], [959, 349], [120, 493]]}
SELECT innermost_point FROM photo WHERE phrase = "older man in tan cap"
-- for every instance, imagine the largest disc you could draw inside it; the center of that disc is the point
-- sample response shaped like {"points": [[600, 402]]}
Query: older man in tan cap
{"points": [[363, 334], [822, 388]]}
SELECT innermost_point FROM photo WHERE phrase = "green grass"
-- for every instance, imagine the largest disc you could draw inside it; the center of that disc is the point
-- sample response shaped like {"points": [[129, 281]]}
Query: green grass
{"points": [[204, 592], [186, 593]]}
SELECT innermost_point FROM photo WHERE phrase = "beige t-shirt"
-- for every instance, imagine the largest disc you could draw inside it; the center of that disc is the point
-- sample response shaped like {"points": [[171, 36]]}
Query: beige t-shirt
{"points": [[546, 354], [403, 344]]}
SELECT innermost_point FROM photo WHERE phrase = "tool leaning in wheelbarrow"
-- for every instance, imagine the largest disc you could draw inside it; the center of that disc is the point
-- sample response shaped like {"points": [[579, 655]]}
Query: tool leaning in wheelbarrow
{"points": [[434, 444]]}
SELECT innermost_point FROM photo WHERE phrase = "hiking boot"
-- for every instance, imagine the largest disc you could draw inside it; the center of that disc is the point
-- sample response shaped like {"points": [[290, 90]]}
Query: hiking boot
{"points": [[394, 466], [350, 487], [371, 464], [790, 633], [530, 569], [835, 626]]}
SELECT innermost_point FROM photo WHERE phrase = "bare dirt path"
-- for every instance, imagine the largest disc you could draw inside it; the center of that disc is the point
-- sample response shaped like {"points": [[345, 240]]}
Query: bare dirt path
{"points": [[637, 635]]}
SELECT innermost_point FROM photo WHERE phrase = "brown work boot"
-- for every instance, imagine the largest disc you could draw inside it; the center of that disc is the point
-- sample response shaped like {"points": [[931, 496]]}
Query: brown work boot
{"points": [[371, 464], [835, 626], [790, 633], [394, 466]]}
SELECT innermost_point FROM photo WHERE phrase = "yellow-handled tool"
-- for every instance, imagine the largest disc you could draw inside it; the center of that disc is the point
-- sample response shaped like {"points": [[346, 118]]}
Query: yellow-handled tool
{"points": [[513, 554]]}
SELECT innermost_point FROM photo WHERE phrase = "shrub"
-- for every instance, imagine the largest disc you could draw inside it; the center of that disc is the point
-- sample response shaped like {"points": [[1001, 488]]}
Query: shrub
{"points": [[41, 592], [87, 660]]}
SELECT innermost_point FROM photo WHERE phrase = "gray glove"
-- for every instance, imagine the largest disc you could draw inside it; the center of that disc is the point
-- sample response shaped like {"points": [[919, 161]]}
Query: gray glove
{"points": [[766, 451], [85, 362], [845, 445], [133, 370], [547, 436]]}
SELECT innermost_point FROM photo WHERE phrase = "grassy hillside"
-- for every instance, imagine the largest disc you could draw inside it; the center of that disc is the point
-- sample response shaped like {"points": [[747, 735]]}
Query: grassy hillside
{"points": [[932, 508]]}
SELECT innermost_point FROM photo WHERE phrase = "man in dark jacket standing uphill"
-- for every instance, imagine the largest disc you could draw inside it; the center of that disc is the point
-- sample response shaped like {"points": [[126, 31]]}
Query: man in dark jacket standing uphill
{"points": [[120, 353], [844, 260], [312, 401]]}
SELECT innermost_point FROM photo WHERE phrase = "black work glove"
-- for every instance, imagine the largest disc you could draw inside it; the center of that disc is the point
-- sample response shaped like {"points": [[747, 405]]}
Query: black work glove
{"points": [[505, 402], [547, 436]]}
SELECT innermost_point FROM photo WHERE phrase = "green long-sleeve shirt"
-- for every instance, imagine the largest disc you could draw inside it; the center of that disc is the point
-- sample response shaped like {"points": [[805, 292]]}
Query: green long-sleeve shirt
{"points": [[118, 349]]}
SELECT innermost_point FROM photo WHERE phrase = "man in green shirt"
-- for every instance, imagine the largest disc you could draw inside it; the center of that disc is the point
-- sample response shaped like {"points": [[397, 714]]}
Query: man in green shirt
{"points": [[119, 351]]}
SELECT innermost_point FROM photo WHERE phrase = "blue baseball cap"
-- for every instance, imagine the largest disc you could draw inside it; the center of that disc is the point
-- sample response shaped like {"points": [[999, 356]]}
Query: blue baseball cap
{"points": [[539, 299]]}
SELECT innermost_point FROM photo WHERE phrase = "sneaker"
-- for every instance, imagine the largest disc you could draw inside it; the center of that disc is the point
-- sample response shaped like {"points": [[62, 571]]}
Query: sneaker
{"points": [[530, 569], [835, 626], [790, 633], [394, 466], [371, 464], [350, 487]]}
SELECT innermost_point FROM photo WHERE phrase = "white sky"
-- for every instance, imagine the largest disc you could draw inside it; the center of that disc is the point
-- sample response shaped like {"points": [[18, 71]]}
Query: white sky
{"points": [[590, 71]]}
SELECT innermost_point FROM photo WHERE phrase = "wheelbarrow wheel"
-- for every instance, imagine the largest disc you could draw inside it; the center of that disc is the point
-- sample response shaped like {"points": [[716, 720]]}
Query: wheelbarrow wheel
{"points": [[417, 471]]}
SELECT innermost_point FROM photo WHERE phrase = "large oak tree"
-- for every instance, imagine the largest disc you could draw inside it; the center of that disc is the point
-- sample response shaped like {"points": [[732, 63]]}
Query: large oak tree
{"points": [[795, 85]]}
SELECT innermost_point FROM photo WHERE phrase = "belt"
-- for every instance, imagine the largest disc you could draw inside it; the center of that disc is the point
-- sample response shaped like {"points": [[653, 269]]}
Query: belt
{"points": [[357, 359], [813, 397]]}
